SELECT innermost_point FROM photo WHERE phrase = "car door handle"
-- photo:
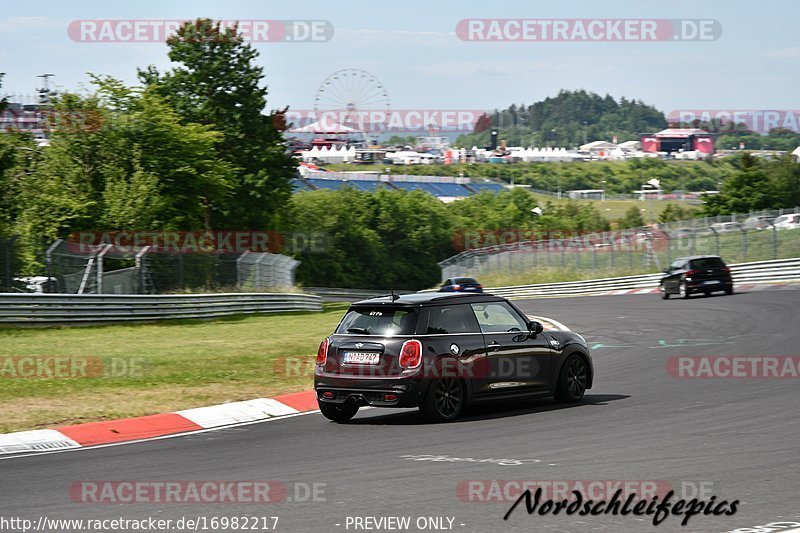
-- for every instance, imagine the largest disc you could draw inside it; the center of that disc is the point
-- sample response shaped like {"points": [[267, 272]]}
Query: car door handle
{"points": [[494, 346]]}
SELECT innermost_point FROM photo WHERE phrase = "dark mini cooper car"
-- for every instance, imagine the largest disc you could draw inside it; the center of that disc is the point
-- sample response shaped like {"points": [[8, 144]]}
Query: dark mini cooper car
{"points": [[461, 285], [696, 274], [441, 352]]}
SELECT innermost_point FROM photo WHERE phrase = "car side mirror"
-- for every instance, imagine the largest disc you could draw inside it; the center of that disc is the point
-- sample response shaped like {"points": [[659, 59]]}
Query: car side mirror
{"points": [[535, 327]]}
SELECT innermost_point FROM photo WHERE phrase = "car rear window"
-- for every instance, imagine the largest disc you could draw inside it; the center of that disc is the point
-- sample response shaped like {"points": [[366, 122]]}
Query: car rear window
{"points": [[466, 280], [379, 320], [707, 262]]}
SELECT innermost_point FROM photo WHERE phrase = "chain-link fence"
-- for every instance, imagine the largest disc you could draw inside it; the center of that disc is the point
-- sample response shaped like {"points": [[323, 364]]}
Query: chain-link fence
{"points": [[105, 269], [754, 236]]}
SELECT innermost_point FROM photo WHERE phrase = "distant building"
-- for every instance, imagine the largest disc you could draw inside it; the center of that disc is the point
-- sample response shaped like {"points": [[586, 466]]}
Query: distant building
{"points": [[630, 146], [598, 147], [587, 194], [673, 140]]}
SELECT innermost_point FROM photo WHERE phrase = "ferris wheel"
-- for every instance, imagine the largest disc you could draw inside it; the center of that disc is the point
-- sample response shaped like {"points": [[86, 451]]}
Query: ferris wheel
{"points": [[350, 93]]}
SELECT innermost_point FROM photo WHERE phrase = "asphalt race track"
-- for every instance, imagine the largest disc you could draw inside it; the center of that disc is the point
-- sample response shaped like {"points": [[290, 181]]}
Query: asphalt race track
{"points": [[737, 439]]}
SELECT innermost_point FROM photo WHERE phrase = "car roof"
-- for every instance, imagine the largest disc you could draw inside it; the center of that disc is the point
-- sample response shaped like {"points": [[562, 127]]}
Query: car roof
{"points": [[422, 298], [690, 257]]}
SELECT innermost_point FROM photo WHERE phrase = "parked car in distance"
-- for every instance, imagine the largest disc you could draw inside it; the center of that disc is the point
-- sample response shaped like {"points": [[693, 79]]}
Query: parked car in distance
{"points": [[787, 221], [696, 274], [442, 352], [724, 227], [758, 222], [461, 285]]}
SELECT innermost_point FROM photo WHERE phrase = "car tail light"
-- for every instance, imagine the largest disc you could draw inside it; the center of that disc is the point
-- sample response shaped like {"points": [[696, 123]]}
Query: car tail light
{"points": [[726, 269], [479, 286], [411, 354], [389, 397], [328, 394], [456, 287], [322, 352], [692, 272]]}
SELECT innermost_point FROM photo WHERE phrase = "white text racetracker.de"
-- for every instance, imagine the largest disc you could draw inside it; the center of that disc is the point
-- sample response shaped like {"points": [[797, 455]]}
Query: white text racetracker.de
{"points": [[400, 523]]}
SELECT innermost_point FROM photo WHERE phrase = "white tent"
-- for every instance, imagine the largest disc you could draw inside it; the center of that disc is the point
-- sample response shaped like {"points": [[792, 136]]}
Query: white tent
{"points": [[325, 127], [796, 153]]}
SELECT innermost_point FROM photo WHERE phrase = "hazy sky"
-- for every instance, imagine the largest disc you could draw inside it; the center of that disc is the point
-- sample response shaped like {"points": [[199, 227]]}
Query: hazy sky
{"points": [[413, 49]]}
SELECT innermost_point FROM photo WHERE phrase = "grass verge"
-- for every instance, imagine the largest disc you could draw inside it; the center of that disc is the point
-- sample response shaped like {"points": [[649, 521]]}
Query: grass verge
{"points": [[176, 365]]}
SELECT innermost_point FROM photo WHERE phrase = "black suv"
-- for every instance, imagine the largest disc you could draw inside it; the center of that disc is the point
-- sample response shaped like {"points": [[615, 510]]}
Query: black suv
{"points": [[699, 273], [440, 352]]}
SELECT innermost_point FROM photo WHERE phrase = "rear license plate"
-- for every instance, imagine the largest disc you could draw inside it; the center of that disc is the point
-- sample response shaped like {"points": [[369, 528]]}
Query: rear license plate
{"points": [[711, 281], [362, 358]]}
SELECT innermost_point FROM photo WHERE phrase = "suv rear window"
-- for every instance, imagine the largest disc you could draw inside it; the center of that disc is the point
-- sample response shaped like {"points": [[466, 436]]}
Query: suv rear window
{"points": [[379, 320], [707, 262]]}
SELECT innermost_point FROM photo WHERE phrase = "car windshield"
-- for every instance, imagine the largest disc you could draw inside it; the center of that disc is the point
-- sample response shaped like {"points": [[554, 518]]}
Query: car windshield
{"points": [[378, 321], [707, 262]]}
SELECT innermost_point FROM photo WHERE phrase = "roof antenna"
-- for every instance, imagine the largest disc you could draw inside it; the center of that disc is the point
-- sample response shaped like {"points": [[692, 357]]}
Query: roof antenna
{"points": [[394, 296]]}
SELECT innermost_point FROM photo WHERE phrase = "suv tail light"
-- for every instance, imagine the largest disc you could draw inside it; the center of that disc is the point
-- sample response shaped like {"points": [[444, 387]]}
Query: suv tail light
{"points": [[411, 354], [456, 287], [322, 352]]}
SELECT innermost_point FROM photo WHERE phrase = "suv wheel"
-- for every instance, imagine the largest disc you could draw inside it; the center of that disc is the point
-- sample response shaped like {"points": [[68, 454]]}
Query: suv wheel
{"points": [[572, 380], [664, 293], [683, 291], [338, 413], [729, 291], [444, 400]]}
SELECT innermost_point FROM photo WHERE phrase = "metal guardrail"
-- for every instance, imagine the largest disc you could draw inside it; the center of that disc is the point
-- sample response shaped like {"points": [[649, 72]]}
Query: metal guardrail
{"points": [[780, 270], [31, 309], [350, 294]]}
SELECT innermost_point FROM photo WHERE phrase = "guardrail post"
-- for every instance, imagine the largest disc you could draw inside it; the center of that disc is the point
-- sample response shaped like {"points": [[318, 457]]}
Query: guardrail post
{"points": [[774, 242], [716, 238], [744, 243], [99, 284], [48, 259], [139, 264], [630, 252]]}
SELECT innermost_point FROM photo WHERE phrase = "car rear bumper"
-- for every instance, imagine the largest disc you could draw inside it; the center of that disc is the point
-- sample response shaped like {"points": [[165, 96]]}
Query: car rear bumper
{"points": [[408, 391], [702, 286]]}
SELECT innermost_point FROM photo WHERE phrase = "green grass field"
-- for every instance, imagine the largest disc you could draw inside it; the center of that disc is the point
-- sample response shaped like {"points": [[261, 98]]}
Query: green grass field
{"points": [[179, 365]]}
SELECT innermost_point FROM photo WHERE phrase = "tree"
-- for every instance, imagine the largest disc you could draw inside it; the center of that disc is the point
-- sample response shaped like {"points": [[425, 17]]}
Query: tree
{"points": [[633, 218], [217, 83], [748, 189]]}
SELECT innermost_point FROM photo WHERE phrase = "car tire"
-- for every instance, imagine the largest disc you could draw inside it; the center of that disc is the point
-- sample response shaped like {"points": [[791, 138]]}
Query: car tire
{"points": [[664, 293], [339, 413], [444, 400], [572, 380], [683, 290], [729, 291]]}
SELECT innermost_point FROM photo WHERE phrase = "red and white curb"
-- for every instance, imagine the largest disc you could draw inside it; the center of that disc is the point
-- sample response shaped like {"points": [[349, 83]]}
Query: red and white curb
{"points": [[160, 425], [186, 421]]}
